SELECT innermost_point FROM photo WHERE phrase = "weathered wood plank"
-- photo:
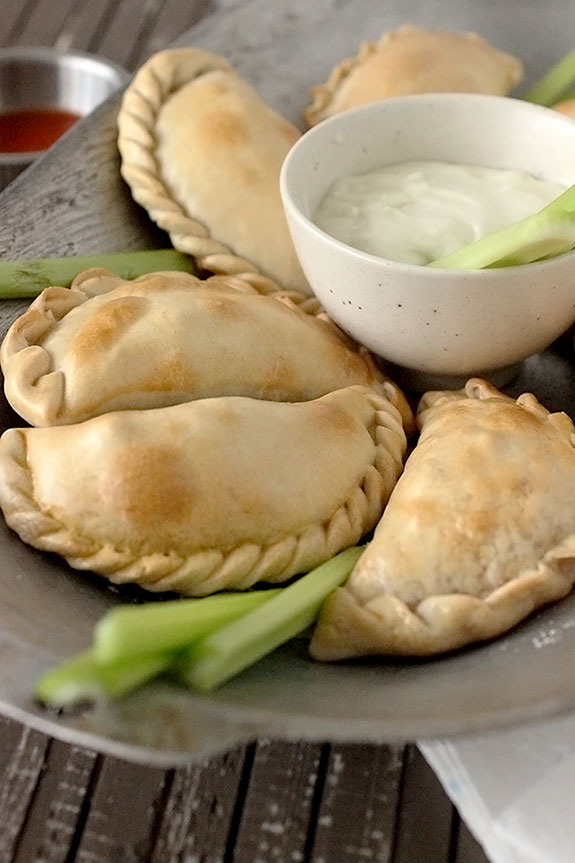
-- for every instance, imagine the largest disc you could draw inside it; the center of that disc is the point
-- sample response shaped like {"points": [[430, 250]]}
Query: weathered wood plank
{"points": [[14, 18], [88, 25], [128, 29], [125, 806], [174, 18], [199, 810], [278, 808], [425, 824], [22, 753], [57, 807], [357, 814], [45, 22], [467, 849]]}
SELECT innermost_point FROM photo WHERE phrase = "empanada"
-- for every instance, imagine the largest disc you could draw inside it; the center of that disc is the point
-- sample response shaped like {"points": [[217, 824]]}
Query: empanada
{"points": [[566, 106], [202, 152], [479, 531], [109, 344], [208, 495], [414, 60]]}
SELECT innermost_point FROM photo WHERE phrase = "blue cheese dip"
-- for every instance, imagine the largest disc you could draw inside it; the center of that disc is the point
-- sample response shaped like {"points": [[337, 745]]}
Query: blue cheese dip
{"points": [[415, 212]]}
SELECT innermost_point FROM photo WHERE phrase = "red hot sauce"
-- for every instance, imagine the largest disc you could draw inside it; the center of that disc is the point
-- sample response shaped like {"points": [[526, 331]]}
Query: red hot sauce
{"points": [[34, 129]]}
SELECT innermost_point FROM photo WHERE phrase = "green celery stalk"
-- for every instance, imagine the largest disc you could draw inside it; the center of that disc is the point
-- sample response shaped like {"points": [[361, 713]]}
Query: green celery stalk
{"points": [[135, 630], [565, 201], [83, 678], [551, 86], [224, 653], [28, 278], [545, 234]]}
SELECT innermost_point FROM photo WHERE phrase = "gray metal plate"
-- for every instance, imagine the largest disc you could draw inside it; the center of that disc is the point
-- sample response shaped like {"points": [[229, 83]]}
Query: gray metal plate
{"points": [[73, 201]]}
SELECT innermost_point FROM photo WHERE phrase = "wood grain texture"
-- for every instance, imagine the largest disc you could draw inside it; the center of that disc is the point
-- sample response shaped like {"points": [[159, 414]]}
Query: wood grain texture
{"points": [[425, 824], [45, 22], [56, 811], [467, 849], [132, 21], [125, 807], [173, 18], [199, 810], [357, 814], [277, 814], [22, 754]]}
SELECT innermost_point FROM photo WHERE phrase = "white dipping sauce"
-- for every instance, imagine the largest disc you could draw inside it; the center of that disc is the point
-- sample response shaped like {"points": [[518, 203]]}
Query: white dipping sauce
{"points": [[416, 212]]}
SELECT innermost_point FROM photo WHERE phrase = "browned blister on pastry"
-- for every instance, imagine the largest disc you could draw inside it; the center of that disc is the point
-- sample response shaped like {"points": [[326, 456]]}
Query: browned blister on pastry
{"points": [[212, 494], [478, 533], [202, 152], [164, 338], [414, 60]]}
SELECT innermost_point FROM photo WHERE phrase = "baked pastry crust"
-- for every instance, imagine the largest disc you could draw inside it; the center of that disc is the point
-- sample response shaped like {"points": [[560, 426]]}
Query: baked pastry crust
{"points": [[213, 494], [478, 532], [202, 152], [566, 106], [112, 344], [414, 60]]}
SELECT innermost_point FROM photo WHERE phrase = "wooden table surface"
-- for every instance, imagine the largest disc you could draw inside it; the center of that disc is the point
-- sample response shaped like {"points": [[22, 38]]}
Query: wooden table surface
{"points": [[268, 802]]}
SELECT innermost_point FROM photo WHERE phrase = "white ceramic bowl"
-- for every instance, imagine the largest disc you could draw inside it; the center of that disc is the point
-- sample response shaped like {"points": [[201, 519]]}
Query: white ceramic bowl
{"points": [[434, 327]]}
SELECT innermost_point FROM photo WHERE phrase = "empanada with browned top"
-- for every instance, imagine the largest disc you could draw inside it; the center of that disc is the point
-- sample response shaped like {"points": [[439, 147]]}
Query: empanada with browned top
{"points": [[111, 344], [213, 494], [202, 152], [414, 60], [478, 533]]}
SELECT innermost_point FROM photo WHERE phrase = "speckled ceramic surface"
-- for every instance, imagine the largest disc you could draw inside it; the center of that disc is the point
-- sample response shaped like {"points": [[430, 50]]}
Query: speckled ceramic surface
{"points": [[437, 327]]}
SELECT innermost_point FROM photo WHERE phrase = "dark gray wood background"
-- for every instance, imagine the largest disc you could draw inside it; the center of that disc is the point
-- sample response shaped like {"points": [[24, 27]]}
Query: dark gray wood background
{"points": [[268, 802]]}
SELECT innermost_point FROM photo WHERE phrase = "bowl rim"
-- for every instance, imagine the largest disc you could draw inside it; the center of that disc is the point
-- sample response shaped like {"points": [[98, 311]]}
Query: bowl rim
{"points": [[47, 55], [412, 270], [50, 54]]}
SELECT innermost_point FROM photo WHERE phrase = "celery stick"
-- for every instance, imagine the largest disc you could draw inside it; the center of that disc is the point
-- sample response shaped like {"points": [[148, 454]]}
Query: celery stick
{"points": [[565, 201], [227, 651], [82, 678], [28, 278], [545, 234], [550, 87], [133, 630]]}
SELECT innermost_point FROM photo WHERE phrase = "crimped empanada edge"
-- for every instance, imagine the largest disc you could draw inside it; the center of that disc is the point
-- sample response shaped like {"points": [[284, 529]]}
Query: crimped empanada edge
{"points": [[209, 570], [33, 388], [387, 625], [36, 390], [322, 94], [139, 167]]}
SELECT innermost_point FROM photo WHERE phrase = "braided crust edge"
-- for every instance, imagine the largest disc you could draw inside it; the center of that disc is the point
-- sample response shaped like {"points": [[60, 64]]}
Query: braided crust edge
{"points": [[212, 569], [164, 73]]}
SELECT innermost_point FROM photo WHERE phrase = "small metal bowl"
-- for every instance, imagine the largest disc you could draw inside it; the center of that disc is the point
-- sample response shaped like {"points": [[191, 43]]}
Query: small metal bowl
{"points": [[47, 79]]}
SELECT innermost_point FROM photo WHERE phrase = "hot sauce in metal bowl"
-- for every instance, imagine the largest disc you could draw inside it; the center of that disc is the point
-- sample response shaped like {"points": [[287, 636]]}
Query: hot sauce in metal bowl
{"points": [[33, 129]]}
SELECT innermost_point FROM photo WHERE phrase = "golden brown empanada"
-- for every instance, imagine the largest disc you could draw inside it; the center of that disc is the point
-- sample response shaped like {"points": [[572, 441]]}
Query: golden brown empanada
{"points": [[479, 531], [208, 495], [202, 152], [110, 344], [566, 106], [414, 60]]}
